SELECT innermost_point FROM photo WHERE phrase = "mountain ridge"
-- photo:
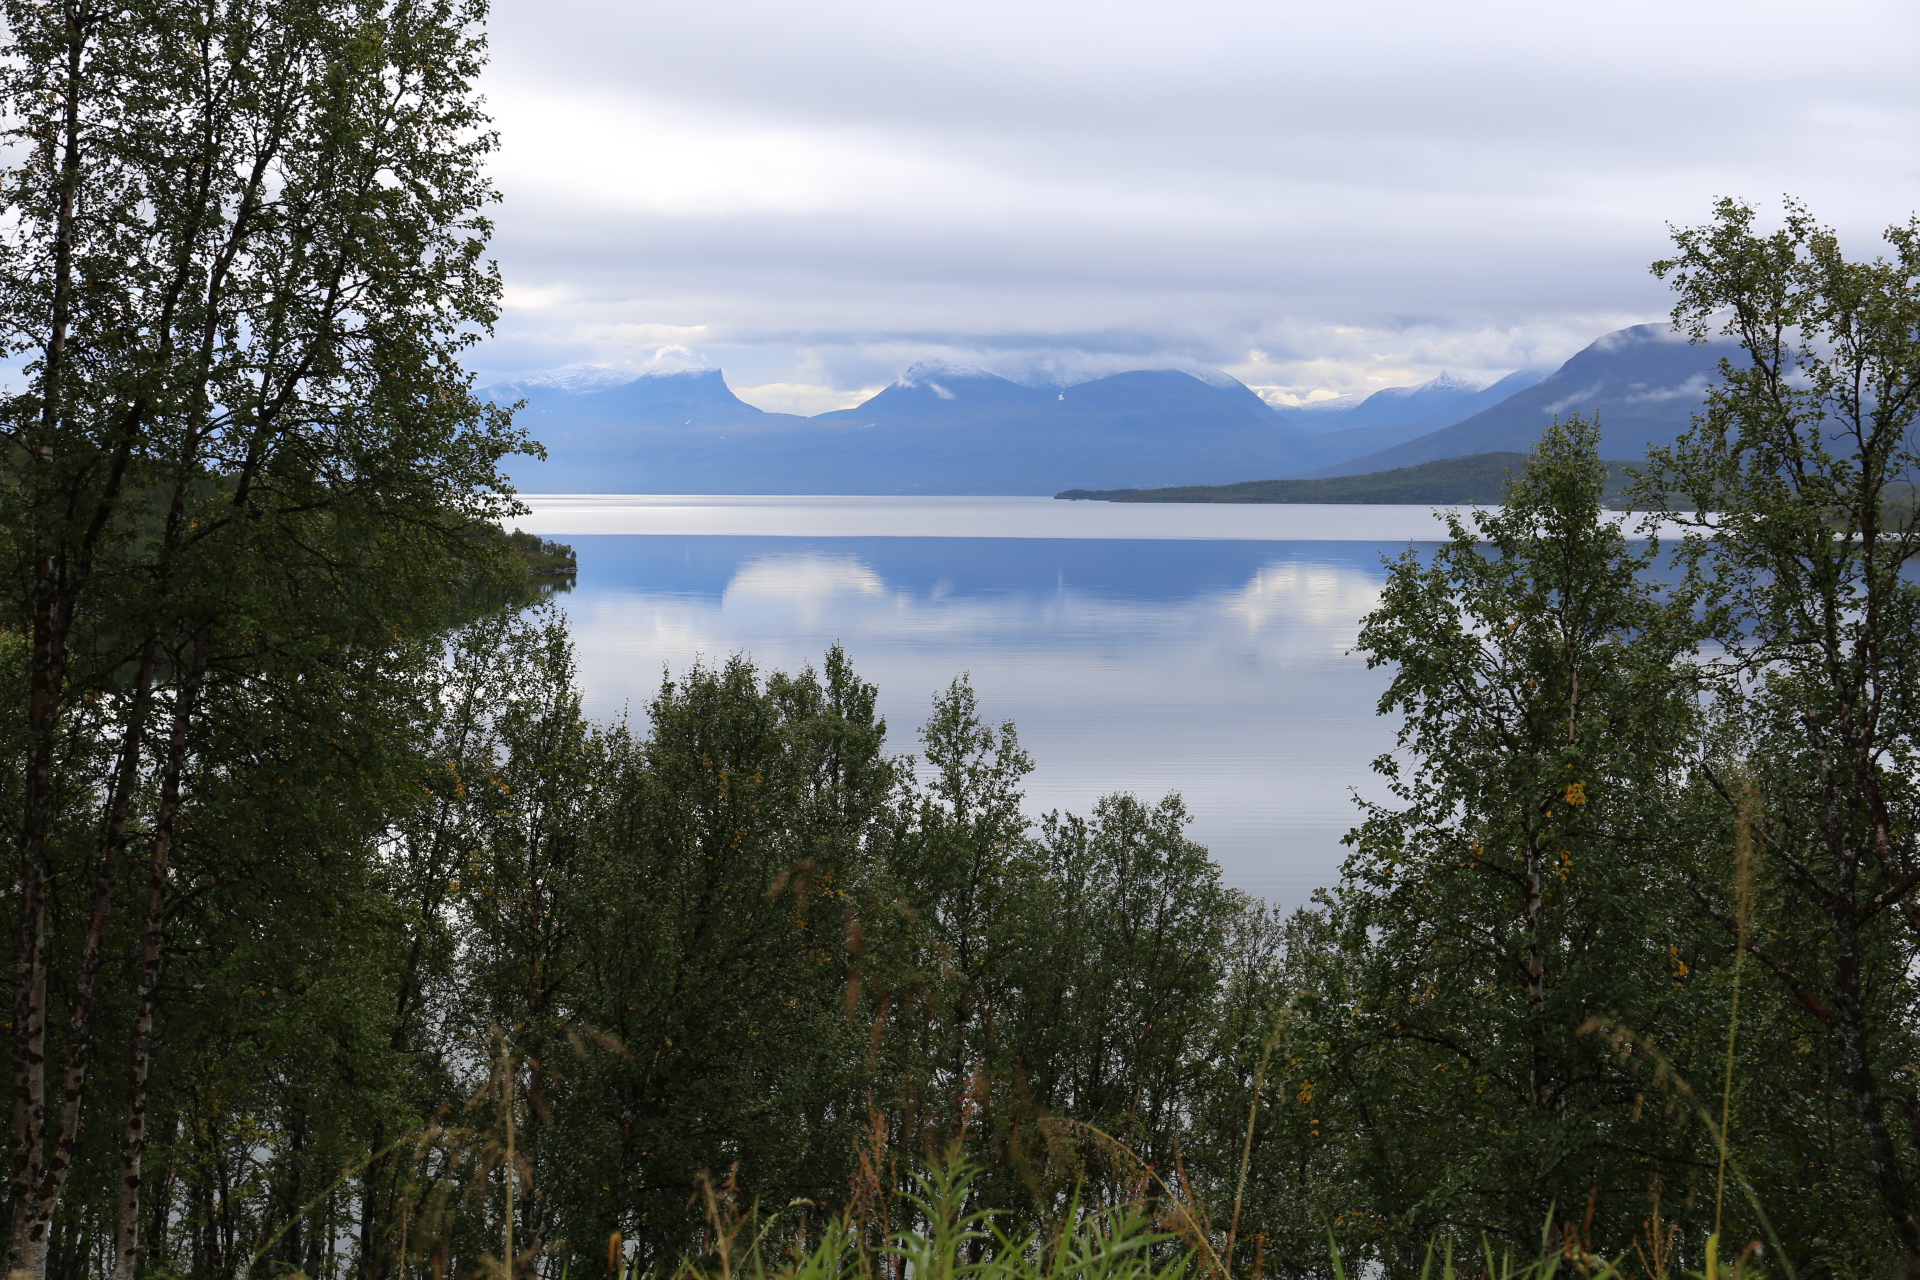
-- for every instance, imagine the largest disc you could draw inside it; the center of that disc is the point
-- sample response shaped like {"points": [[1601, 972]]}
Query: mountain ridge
{"points": [[1644, 383], [946, 428]]}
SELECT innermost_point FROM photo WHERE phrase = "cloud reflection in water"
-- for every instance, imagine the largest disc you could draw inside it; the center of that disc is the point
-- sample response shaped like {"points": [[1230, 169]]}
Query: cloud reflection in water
{"points": [[1218, 669]]}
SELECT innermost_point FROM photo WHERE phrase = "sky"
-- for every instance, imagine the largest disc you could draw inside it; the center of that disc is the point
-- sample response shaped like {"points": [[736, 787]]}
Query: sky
{"points": [[1320, 198]]}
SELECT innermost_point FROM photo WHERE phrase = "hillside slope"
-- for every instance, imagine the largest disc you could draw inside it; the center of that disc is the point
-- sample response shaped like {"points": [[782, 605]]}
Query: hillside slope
{"points": [[1645, 383], [1436, 403], [1480, 478]]}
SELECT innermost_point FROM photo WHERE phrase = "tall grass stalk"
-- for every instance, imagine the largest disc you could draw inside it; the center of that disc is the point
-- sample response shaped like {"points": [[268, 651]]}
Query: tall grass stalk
{"points": [[1184, 1213], [1668, 1078], [1253, 1115], [507, 1074], [1569, 1260], [423, 1136], [1743, 909], [953, 1242]]}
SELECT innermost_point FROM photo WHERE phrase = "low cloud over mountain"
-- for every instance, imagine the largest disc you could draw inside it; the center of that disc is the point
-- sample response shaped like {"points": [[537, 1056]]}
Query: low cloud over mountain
{"points": [[957, 429], [1644, 384]]}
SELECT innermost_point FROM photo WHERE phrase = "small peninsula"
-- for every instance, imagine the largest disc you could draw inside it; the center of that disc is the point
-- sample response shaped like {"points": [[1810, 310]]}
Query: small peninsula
{"points": [[1480, 477]]}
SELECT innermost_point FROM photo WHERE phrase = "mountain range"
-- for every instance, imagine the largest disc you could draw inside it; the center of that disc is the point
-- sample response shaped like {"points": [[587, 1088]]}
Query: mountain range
{"points": [[952, 429], [1645, 383]]}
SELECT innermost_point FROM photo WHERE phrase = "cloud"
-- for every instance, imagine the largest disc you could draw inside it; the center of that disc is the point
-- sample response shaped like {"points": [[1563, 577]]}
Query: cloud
{"points": [[1325, 601], [804, 398], [1316, 197], [671, 358], [1572, 399], [1693, 388]]}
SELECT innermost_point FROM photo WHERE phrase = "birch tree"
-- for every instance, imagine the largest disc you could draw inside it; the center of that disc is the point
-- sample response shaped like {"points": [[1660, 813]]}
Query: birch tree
{"points": [[243, 246]]}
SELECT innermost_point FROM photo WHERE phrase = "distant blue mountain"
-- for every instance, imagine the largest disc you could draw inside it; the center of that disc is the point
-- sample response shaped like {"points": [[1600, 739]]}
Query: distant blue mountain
{"points": [[940, 428], [584, 402], [951, 429], [1438, 403], [936, 394], [1645, 384], [1367, 424]]}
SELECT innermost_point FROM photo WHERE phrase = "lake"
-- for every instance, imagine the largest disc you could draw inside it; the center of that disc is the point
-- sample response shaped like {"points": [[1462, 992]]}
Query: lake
{"points": [[1138, 647]]}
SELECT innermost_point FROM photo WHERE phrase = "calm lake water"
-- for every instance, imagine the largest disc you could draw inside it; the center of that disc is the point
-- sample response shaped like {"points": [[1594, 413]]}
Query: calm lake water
{"points": [[1141, 648]]}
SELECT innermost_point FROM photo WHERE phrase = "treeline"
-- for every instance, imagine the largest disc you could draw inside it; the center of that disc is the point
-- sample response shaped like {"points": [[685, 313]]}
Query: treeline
{"points": [[751, 946], [344, 945], [427, 924], [419, 961], [1480, 477]]}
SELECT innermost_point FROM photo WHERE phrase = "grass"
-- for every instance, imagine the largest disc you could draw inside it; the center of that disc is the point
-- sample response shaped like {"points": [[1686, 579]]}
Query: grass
{"points": [[952, 1236], [956, 1240]]}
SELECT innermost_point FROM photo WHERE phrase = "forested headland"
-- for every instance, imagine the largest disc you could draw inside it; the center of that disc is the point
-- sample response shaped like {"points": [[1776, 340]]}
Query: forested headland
{"points": [[1480, 477], [1475, 478], [345, 945]]}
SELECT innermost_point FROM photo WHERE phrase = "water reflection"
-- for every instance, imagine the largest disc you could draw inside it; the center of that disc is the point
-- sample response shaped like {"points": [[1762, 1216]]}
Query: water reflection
{"points": [[1218, 669]]}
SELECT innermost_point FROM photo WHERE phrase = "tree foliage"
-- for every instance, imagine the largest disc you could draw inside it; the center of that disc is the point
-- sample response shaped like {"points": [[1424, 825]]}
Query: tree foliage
{"points": [[345, 942], [242, 250], [1805, 461], [1522, 887]]}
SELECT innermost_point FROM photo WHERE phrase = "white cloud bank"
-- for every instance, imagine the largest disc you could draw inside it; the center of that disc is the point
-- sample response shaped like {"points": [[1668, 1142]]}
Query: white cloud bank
{"points": [[1318, 198]]}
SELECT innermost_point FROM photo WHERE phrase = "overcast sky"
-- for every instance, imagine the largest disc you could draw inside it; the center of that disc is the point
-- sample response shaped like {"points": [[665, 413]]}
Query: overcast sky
{"points": [[1317, 197]]}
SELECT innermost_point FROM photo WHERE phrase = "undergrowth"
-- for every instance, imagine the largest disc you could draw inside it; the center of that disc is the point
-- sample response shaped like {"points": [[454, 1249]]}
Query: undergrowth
{"points": [[956, 1239]]}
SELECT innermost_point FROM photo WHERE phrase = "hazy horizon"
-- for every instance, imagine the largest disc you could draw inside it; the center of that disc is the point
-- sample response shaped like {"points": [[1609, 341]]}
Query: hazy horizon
{"points": [[1315, 199], [585, 377]]}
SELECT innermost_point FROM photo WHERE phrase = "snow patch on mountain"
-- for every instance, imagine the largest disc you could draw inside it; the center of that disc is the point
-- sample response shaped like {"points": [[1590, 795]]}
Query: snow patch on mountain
{"points": [[1055, 375], [1047, 377], [1212, 377], [1321, 405], [578, 379], [927, 370], [1446, 381]]}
